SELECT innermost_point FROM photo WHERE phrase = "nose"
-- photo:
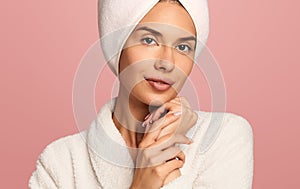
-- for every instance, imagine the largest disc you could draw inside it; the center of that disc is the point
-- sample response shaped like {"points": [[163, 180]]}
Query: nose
{"points": [[165, 61]]}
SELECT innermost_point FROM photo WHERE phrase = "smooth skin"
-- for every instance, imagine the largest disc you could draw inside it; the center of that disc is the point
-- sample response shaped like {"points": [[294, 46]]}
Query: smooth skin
{"points": [[162, 46]]}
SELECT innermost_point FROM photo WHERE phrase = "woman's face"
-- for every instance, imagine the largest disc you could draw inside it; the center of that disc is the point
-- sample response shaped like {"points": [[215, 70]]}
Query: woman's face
{"points": [[158, 55]]}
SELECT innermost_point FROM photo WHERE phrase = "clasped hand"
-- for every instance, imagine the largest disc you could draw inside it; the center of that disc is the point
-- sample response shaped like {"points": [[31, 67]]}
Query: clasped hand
{"points": [[159, 158]]}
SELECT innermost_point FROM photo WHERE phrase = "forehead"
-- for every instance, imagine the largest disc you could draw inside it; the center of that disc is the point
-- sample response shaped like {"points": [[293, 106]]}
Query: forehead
{"points": [[170, 14]]}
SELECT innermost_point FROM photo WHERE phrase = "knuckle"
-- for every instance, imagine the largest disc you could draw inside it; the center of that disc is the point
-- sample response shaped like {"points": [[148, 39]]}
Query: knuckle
{"points": [[158, 171], [181, 154]]}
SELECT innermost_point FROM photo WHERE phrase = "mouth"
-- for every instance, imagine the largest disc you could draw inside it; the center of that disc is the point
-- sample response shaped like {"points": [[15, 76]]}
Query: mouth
{"points": [[160, 84]]}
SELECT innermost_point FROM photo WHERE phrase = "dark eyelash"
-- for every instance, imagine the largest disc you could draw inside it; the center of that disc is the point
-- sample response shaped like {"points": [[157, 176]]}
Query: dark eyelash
{"points": [[145, 38], [189, 48]]}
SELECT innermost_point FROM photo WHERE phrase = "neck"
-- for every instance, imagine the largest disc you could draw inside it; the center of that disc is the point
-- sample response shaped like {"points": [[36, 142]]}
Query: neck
{"points": [[128, 116]]}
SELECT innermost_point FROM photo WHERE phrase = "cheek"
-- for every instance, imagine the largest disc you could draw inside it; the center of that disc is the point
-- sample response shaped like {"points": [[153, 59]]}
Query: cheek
{"points": [[133, 55], [183, 69], [185, 65], [141, 52], [134, 63]]}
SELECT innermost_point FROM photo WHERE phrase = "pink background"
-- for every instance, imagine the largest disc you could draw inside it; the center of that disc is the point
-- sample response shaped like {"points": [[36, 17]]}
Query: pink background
{"points": [[255, 43]]}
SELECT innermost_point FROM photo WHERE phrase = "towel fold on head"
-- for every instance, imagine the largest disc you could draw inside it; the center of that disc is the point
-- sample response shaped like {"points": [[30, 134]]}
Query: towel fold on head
{"points": [[118, 18]]}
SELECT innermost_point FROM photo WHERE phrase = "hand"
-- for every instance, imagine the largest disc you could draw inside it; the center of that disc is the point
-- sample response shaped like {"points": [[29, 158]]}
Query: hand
{"points": [[178, 119], [157, 160], [175, 116]]}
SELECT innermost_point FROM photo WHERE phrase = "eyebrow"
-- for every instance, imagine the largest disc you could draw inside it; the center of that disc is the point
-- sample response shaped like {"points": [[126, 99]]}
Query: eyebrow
{"points": [[190, 38], [154, 32]]}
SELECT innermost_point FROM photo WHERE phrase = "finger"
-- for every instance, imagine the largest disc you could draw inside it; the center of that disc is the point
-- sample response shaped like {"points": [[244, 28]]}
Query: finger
{"points": [[184, 101], [163, 122], [180, 100], [157, 131], [159, 112], [171, 128], [150, 157], [172, 107], [164, 156], [172, 175], [147, 119], [170, 140], [176, 100], [149, 124], [152, 132], [165, 169], [164, 108], [148, 115], [181, 156], [176, 126]]}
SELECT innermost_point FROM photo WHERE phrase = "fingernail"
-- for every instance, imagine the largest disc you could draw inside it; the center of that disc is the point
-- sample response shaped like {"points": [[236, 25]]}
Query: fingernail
{"points": [[177, 113], [147, 116], [151, 121]]}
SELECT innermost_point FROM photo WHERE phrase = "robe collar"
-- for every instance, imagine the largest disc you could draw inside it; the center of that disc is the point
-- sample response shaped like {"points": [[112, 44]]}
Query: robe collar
{"points": [[108, 151]]}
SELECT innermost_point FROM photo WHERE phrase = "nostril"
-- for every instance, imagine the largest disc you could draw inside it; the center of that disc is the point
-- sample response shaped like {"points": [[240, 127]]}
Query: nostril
{"points": [[162, 68]]}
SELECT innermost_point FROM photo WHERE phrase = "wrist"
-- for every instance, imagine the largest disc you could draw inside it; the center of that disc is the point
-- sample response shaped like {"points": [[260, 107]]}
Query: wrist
{"points": [[133, 186]]}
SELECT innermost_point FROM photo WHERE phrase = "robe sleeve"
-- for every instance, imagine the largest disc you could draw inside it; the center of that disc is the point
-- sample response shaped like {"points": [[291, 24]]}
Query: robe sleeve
{"points": [[52, 167], [41, 178], [228, 162]]}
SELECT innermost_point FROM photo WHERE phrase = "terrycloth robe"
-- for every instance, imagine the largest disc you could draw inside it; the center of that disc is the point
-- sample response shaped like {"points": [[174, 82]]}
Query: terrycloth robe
{"points": [[221, 156]]}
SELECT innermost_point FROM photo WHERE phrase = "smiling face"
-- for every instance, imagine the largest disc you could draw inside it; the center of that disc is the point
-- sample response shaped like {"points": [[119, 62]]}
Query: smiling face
{"points": [[158, 55]]}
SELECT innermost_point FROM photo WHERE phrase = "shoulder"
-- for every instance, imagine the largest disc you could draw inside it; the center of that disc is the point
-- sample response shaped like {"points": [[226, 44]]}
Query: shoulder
{"points": [[235, 126], [223, 127], [226, 151], [64, 146], [56, 162], [61, 152], [232, 124]]}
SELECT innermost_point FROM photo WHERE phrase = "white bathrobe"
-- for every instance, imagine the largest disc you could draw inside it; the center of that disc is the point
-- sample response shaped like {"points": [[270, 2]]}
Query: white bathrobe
{"points": [[221, 156]]}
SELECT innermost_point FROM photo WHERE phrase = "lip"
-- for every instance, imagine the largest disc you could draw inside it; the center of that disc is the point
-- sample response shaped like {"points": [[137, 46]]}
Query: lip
{"points": [[160, 84]]}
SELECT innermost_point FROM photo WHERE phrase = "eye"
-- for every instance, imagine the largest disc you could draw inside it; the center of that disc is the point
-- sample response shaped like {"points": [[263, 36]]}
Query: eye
{"points": [[184, 48], [148, 41]]}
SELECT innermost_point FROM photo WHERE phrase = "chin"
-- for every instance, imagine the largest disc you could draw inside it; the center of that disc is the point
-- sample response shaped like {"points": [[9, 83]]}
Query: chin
{"points": [[156, 99]]}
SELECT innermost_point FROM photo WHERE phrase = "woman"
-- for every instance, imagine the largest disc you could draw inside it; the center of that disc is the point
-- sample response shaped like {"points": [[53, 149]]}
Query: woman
{"points": [[148, 137]]}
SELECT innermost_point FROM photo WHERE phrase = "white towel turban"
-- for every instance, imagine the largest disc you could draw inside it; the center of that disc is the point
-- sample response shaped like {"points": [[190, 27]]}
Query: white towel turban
{"points": [[118, 18]]}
